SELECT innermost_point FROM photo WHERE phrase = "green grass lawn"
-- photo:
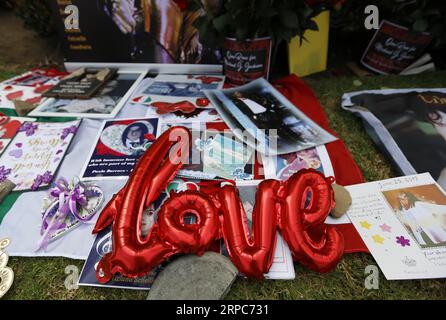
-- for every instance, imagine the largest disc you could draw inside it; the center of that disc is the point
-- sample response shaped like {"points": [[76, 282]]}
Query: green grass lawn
{"points": [[43, 278]]}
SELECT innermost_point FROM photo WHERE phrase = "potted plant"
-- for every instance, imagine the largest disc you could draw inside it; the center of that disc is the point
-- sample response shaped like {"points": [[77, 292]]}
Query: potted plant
{"points": [[250, 31]]}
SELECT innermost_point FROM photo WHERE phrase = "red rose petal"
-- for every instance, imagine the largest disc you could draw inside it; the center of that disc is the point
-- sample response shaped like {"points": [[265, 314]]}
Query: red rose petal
{"points": [[14, 95], [34, 100], [41, 89], [166, 107], [202, 102]]}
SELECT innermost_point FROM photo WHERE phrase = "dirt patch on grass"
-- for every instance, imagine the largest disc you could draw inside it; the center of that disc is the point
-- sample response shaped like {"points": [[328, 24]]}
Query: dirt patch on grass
{"points": [[23, 47]]}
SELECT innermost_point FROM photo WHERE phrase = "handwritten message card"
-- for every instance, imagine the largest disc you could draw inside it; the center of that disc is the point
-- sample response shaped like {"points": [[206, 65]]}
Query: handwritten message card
{"points": [[393, 48], [35, 153], [403, 223]]}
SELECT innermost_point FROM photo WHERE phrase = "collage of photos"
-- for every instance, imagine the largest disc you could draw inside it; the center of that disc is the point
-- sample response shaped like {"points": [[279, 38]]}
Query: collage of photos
{"points": [[27, 88]]}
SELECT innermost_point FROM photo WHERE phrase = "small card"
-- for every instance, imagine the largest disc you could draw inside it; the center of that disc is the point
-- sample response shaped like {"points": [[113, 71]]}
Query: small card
{"points": [[403, 223], [393, 48], [95, 200], [285, 165], [34, 155], [224, 156], [216, 154], [118, 147], [177, 88]]}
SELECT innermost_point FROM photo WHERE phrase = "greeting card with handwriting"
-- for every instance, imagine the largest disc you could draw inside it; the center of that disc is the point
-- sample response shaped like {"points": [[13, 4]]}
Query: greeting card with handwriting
{"points": [[403, 223], [35, 153]]}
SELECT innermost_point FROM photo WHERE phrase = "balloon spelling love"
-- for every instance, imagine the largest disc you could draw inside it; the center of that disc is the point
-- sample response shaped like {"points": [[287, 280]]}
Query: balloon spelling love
{"points": [[297, 207]]}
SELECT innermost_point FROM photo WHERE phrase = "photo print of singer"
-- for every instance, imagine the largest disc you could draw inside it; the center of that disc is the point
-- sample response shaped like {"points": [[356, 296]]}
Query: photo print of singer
{"points": [[408, 124], [119, 145], [143, 31], [422, 211], [263, 118]]}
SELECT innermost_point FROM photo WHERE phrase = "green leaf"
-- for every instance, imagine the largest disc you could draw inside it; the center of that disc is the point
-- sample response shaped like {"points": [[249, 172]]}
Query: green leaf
{"points": [[312, 25], [420, 25], [221, 22], [289, 19], [241, 33], [199, 22]]}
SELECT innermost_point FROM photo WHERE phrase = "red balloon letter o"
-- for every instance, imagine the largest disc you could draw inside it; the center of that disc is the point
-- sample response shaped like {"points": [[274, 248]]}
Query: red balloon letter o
{"points": [[188, 238]]}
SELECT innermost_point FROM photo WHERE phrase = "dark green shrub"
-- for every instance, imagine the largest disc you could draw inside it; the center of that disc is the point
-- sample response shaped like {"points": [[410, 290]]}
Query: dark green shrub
{"points": [[36, 14]]}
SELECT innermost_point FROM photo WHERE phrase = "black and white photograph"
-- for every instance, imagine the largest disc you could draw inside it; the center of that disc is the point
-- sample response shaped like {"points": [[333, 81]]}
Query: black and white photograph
{"points": [[265, 119]]}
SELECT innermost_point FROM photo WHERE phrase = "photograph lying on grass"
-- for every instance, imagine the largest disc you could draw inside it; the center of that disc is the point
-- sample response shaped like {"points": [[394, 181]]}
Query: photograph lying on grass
{"points": [[410, 126], [262, 117]]}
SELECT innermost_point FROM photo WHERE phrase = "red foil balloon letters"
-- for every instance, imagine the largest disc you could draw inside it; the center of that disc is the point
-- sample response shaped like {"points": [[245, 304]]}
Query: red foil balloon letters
{"points": [[297, 208]]}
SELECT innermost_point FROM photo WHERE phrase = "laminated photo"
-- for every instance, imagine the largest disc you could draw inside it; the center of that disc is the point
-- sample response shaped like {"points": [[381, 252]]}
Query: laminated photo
{"points": [[118, 147], [216, 154]]}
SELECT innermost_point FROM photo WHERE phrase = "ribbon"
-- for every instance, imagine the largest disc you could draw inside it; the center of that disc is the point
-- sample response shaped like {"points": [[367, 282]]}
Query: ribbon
{"points": [[68, 199]]}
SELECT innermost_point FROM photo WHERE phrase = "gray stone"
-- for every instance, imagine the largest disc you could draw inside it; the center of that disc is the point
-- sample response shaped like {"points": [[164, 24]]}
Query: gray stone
{"points": [[191, 277], [343, 201]]}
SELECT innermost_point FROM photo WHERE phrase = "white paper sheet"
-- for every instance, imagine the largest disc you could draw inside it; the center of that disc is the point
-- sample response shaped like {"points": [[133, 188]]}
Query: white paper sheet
{"points": [[406, 238]]}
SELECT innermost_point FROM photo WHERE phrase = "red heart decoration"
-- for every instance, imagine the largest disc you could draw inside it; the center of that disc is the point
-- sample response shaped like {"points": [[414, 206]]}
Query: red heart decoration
{"points": [[202, 102], [11, 129], [166, 107], [208, 80]]}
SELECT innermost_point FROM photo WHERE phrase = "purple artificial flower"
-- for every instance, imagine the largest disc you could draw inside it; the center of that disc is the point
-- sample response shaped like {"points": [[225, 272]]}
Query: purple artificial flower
{"points": [[29, 128], [403, 241], [67, 131], [46, 178], [4, 173]]}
